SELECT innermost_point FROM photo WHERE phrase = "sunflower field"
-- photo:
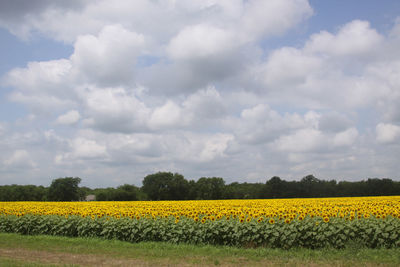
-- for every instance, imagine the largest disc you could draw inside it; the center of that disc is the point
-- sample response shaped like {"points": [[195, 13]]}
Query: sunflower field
{"points": [[281, 223]]}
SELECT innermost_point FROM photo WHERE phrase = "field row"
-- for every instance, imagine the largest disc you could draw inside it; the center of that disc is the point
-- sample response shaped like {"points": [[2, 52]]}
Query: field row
{"points": [[285, 223], [350, 208], [309, 233]]}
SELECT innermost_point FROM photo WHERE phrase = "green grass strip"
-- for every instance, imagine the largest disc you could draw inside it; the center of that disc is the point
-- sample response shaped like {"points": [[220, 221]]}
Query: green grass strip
{"points": [[6, 262], [161, 252]]}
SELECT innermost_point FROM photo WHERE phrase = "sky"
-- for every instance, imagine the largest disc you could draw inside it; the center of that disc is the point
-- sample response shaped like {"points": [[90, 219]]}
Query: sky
{"points": [[111, 91]]}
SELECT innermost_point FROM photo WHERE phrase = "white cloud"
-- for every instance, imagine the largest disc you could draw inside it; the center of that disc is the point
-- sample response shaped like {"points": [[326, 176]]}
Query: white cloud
{"points": [[201, 41], [108, 59], [289, 66], [114, 110], [345, 138], [135, 148], [387, 73], [44, 75], [195, 148], [264, 18], [65, 21], [21, 18], [354, 38], [204, 106], [395, 31], [42, 85], [194, 87], [304, 140], [3, 128], [215, 146], [166, 116], [334, 122], [71, 117], [387, 133], [260, 124], [20, 159], [82, 149], [331, 71]]}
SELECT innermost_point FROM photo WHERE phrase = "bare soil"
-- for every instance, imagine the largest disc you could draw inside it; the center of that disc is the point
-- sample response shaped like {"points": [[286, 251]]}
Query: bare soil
{"points": [[61, 258], [58, 258]]}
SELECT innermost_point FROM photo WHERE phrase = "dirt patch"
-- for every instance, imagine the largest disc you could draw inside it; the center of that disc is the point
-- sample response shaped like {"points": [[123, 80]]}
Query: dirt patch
{"points": [[68, 258], [62, 258]]}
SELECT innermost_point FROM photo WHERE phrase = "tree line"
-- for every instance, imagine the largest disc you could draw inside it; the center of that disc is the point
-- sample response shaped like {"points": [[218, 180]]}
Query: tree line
{"points": [[173, 186]]}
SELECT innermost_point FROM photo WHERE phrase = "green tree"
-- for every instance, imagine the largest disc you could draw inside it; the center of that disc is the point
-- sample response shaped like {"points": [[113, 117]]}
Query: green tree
{"points": [[192, 191], [210, 188], [274, 187], [165, 186], [103, 194], [126, 192], [83, 192], [310, 186], [64, 189]]}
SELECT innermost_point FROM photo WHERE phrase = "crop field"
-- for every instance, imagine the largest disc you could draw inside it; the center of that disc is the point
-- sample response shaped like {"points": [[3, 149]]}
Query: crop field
{"points": [[372, 222]]}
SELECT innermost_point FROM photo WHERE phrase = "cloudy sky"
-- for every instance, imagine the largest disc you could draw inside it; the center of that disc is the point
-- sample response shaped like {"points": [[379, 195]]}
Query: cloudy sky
{"points": [[111, 91]]}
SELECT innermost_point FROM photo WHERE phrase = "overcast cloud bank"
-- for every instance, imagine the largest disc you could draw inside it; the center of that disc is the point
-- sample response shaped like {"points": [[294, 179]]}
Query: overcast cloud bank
{"points": [[189, 87]]}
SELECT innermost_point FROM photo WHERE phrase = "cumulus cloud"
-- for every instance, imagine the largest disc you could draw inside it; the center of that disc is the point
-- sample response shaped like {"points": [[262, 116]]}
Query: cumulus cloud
{"points": [[288, 67], [167, 115], [118, 110], [354, 38], [345, 138], [198, 148], [82, 149], [114, 110], [20, 159], [304, 140], [387, 73], [109, 58], [40, 76], [387, 133], [331, 70], [3, 128], [66, 21], [201, 41], [22, 17], [260, 124], [194, 87], [204, 106], [334, 122], [71, 117], [263, 18]]}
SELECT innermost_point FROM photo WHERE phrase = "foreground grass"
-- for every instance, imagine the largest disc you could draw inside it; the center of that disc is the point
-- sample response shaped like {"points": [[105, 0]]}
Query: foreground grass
{"points": [[19, 250], [16, 263]]}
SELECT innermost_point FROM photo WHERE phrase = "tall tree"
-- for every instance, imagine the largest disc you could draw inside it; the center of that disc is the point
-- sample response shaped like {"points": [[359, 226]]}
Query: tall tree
{"points": [[310, 186], [64, 189], [165, 186], [210, 188], [126, 192], [274, 187]]}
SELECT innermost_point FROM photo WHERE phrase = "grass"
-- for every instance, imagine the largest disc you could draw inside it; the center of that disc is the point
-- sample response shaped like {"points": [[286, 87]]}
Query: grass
{"points": [[17, 263], [19, 250]]}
